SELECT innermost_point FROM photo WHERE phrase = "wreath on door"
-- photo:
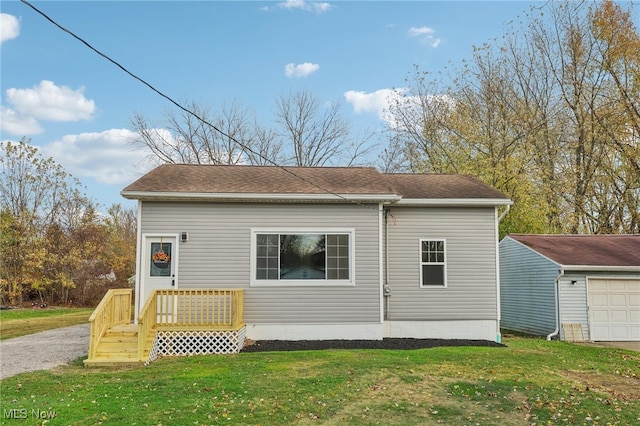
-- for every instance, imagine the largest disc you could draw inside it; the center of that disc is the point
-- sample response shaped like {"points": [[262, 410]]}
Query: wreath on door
{"points": [[160, 258]]}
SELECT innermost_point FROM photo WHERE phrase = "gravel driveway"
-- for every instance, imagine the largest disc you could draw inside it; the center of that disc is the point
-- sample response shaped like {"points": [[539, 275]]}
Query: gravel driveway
{"points": [[44, 350]]}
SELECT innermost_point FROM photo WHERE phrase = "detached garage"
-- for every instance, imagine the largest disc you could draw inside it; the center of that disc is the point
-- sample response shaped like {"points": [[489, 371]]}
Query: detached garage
{"points": [[575, 287]]}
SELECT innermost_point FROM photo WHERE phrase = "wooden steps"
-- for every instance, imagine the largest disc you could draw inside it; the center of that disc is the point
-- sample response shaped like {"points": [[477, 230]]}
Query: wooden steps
{"points": [[119, 346], [201, 320]]}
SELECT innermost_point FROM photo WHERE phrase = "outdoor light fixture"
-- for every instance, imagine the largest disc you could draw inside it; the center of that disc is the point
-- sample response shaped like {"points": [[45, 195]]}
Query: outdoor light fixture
{"points": [[184, 237]]}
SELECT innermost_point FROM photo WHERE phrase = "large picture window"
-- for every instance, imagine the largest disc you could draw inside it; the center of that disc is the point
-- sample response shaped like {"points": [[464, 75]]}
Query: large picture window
{"points": [[302, 256], [433, 268]]}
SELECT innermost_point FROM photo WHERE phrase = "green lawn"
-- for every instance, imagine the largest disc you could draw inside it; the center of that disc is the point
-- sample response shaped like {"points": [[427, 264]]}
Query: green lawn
{"points": [[530, 381], [20, 322]]}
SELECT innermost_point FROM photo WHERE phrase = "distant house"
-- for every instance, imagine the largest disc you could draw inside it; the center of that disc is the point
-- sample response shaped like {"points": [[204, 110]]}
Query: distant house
{"points": [[327, 253], [572, 286]]}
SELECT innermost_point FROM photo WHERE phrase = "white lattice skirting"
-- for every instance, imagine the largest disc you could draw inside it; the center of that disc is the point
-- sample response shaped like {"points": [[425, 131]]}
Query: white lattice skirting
{"points": [[194, 342]]}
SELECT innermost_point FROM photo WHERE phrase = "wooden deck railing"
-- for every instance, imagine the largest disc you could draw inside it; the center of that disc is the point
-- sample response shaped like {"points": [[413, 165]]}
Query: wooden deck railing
{"points": [[190, 310], [113, 309]]}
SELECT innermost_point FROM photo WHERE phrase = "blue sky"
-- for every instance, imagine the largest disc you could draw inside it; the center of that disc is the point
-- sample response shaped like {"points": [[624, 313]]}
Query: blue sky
{"points": [[76, 106]]}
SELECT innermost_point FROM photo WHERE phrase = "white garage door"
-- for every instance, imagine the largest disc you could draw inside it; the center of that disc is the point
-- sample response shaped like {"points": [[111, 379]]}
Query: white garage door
{"points": [[614, 309]]}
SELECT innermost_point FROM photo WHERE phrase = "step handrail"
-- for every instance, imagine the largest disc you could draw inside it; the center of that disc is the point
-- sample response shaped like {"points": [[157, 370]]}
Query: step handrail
{"points": [[147, 321], [114, 309]]}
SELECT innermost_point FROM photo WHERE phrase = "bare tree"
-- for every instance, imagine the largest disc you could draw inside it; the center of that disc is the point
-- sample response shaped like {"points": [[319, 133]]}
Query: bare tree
{"points": [[231, 136], [317, 133], [267, 149]]}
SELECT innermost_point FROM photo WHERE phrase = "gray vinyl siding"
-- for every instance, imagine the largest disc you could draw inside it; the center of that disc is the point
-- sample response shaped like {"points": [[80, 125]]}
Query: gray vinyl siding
{"points": [[471, 292], [218, 252], [527, 289], [573, 301]]}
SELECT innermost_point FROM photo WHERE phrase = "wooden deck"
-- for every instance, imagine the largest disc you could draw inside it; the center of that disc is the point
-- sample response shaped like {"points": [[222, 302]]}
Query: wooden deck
{"points": [[172, 322]]}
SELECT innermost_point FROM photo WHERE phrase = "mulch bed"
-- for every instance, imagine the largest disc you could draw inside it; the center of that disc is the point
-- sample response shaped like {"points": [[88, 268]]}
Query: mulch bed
{"points": [[396, 344]]}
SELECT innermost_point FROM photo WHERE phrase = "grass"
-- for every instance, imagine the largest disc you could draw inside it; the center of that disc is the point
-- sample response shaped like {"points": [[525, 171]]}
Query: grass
{"points": [[20, 322], [530, 381]]}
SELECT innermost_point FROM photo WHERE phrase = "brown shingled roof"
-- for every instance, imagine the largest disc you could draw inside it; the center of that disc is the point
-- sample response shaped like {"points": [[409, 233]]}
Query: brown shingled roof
{"points": [[422, 185], [223, 179], [261, 179], [590, 250]]}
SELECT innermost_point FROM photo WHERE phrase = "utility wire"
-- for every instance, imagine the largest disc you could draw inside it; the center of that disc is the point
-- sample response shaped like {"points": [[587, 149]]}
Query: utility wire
{"points": [[188, 111]]}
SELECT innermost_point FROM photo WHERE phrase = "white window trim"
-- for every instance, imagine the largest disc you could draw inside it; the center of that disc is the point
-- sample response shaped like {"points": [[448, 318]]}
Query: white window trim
{"points": [[303, 283], [420, 263]]}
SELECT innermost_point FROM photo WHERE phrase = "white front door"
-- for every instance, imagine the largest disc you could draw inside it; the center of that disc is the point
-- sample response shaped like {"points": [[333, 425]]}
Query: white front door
{"points": [[159, 264]]}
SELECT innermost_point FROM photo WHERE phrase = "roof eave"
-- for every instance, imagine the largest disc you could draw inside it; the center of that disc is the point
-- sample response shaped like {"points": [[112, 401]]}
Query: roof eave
{"points": [[293, 197], [453, 202], [544, 256], [601, 268]]}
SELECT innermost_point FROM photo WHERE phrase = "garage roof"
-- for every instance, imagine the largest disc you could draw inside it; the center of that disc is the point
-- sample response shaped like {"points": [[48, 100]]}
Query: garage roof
{"points": [[588, 250]]}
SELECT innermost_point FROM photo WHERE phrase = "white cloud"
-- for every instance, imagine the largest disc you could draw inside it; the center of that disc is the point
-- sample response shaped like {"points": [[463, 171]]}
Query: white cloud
{"points": [[376, 102], [420, 31], [9, 27], [310, 6], [301, 70], [322, 7], [46, 101], [14, 123], [426, 35], [106, 156]]}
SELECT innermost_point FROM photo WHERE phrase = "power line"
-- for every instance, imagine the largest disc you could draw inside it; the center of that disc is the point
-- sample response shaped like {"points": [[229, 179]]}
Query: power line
{"points": [[188, 111]]}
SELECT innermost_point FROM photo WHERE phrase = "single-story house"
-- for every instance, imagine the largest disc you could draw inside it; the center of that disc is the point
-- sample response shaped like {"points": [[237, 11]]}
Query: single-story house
{"points": [[577, 287], [327, 252]]}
